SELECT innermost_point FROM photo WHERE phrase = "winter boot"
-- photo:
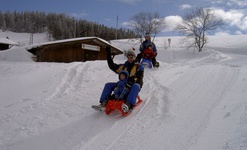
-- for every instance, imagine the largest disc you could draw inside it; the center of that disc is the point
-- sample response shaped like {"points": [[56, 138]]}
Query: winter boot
{"points": [[127, 107], [100, 107], [157, 65]]}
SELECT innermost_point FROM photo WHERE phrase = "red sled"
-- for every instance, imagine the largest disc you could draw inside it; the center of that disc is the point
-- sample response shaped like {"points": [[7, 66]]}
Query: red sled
{"points": [[116, 105]]}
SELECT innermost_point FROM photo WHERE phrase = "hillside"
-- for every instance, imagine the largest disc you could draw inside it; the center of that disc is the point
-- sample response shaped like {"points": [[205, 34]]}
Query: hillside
{"points": [[194, 101]]}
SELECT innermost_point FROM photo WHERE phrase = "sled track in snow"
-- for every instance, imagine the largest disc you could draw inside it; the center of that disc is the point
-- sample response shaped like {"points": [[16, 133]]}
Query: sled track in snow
{"points": [[124, 128], [194, 99], [47, 106], [193, 94], [171, 104]]}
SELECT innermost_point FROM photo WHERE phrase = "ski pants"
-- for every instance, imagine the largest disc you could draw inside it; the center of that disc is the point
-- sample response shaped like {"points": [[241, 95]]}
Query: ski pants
{"points": [[109, 87]]}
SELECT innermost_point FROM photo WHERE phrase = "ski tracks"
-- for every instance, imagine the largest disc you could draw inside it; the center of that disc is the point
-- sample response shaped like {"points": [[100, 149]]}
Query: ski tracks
{"points": [[124, 132], [194, 101], [229, 111], [51, 108]]}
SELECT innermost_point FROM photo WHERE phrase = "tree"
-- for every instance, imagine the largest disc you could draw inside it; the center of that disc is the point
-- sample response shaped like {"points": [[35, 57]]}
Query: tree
{"points": [[195, 25], [147, 22], [1, 19], [58, 26], [2, 22], [9, 20]]}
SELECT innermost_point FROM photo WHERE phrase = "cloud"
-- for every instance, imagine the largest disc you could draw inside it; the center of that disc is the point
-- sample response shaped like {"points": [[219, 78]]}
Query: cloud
{"points": [[238, 32], [240, 3], [231, 3], [126, 24], [232, 17], [172, 22], [185, 6]]}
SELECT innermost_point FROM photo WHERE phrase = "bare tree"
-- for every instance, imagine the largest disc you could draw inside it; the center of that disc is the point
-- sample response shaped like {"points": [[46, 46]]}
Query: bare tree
{"points": [[147, 22], [195, 25]]}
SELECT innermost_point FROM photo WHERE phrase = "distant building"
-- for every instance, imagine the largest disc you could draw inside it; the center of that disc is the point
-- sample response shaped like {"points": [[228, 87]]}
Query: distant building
{"points": [[70, 50], [6, 43]]}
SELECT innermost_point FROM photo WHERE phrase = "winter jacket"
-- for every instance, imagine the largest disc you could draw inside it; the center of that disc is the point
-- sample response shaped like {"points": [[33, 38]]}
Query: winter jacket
{"points": [[145, 44], [135, 70], [148, 54], [121, 89]]}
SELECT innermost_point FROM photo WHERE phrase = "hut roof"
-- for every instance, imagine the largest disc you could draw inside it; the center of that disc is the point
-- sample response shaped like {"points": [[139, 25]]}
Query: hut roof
{"points": [[7, 41], [97, 40]]}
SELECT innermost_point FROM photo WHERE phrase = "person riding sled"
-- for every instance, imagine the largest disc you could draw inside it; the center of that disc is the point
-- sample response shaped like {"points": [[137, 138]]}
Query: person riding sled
{"points": [[135, 81], [148, 53], [144, 45], [122, 88]]}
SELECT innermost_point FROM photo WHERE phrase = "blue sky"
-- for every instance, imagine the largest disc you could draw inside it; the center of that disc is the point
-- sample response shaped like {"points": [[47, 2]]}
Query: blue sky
{"points": [[106, 11]]}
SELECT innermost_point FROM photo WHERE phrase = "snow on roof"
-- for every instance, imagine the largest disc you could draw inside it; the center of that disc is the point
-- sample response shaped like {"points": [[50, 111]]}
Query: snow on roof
{"points": [[70, 40], [7, 41]]}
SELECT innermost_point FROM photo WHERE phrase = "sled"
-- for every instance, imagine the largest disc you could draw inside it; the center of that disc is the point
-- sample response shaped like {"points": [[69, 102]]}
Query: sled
{"points": [[116, 105], [146, 63]]}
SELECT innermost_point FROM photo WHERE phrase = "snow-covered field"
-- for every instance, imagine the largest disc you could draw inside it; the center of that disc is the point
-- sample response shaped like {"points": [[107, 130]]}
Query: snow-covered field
{"points": [[194, 101]]}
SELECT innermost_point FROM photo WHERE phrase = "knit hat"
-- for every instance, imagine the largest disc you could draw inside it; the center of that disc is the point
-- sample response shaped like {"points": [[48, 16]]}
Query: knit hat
{"points": [[130, 52]]}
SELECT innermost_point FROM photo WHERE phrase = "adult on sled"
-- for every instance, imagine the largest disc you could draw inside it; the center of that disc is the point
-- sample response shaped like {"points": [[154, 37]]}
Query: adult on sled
{"points": [[144, 46], [147, 56], [135, 81]]}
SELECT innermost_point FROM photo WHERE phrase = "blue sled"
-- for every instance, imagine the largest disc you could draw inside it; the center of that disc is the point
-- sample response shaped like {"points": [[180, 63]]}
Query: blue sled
{"points": [[146, 62]]}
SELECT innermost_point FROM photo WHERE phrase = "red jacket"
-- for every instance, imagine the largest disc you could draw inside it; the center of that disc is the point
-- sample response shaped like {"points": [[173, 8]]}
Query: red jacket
{"points": [[148, 54]]}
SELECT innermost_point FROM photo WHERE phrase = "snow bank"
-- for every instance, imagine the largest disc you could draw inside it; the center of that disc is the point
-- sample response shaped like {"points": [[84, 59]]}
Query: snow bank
{"points": [[16, 54]]}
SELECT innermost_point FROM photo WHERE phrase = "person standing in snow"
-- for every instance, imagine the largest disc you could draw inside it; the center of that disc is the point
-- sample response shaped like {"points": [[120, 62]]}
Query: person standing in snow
{"points": [[135, 81], [169, 42], [144, 46]]}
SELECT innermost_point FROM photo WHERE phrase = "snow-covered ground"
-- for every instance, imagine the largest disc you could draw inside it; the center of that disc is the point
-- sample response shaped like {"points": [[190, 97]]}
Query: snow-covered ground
{"points": [[194, 101]]}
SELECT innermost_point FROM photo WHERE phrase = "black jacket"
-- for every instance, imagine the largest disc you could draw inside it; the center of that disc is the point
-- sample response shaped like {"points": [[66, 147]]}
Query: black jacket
{"points": [[136, 70]]}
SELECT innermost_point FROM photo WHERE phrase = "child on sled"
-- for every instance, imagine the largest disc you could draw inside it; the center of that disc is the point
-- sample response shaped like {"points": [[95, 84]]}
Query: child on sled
{"points": [[148, 53], [122, 88]]}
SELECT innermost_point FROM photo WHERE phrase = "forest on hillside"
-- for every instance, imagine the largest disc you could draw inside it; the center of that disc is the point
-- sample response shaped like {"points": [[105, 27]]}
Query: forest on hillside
{"points": [[59, 26]]}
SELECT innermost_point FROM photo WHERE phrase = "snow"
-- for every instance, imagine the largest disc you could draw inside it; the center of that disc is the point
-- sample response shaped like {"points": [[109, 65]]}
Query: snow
{"points": [[7, 41], [194, 101], [69, 40]]}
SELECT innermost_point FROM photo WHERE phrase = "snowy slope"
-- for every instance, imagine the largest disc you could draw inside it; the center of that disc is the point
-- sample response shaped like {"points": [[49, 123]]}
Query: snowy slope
{"points": [[193, 101]]}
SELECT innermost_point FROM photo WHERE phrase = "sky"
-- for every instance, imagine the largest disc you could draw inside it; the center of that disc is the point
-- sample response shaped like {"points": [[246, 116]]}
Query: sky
{"points": [[193, 101], [106, 12]]}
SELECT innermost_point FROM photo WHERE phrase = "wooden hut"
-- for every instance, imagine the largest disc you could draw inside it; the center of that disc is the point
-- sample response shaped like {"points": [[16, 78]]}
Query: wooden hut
{"points": [[6, 43], [70, 50]]}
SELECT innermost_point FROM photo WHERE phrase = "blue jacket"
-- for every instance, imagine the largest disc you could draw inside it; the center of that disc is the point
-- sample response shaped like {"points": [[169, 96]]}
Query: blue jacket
{"points": [[120, 90]]}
